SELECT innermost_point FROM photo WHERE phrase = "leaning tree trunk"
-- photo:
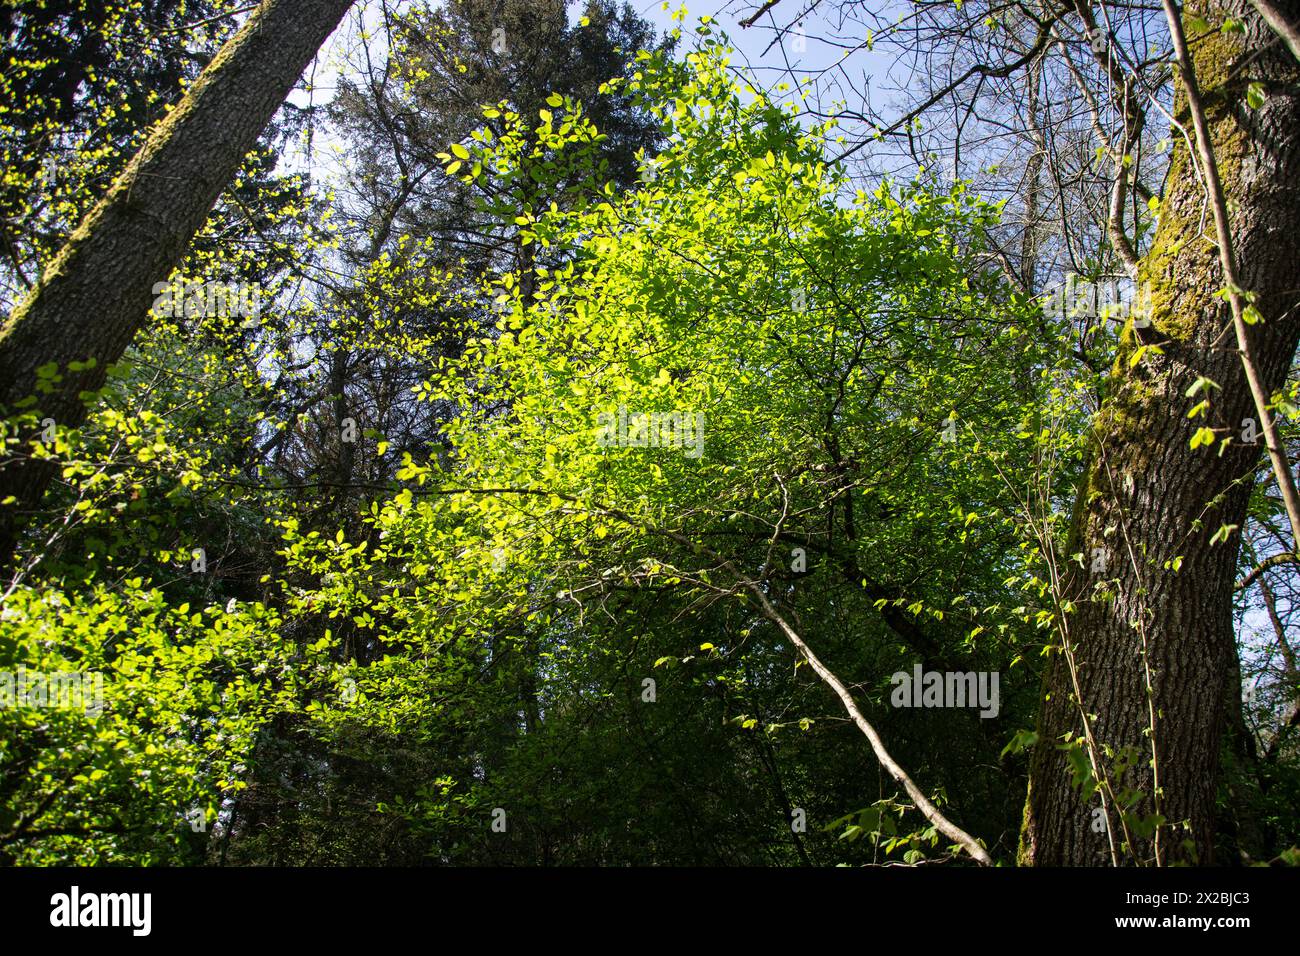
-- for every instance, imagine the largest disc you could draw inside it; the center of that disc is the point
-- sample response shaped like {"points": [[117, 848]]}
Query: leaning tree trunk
{"points": [[97, 293], [1149, 499]]}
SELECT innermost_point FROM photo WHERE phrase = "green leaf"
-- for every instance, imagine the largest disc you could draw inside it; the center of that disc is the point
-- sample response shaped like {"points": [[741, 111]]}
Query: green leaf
{"points": [[1224, 532], [1023, 740]]}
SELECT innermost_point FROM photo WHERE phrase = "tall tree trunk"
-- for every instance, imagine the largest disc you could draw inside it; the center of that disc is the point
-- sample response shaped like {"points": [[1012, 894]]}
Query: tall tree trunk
{"points": [[1033, 183], [1148, 498], [97, 293]]}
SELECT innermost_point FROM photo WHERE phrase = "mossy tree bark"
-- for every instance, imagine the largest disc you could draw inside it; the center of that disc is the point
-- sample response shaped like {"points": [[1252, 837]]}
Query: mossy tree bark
{"points": [[97, 293], [1150, 639]]}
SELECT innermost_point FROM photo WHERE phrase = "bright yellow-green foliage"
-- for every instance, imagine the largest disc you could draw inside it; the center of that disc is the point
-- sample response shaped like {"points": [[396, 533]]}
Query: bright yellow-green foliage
{"points": [[77, 96], [184, 691], [819, 345]]}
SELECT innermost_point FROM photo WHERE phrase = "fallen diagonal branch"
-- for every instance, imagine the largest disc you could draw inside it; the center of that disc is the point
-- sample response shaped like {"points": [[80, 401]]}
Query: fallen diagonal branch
{"points": [[928, 809], [923, 803]]}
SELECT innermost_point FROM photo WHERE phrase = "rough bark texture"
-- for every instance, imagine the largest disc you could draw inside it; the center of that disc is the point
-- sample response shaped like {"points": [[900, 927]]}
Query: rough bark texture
{"points": [[97, 293], [1146, 489]]}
